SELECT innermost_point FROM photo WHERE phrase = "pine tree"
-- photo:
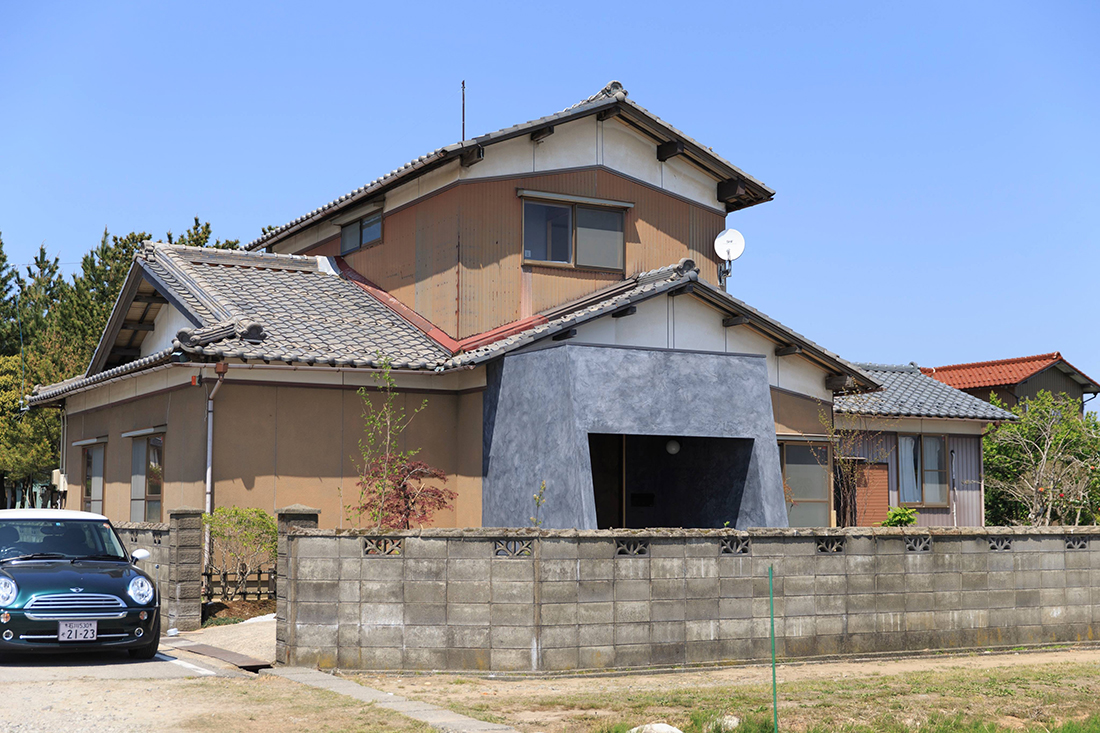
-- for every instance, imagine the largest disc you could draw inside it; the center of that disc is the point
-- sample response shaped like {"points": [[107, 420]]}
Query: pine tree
{"points": [[9, 326]]}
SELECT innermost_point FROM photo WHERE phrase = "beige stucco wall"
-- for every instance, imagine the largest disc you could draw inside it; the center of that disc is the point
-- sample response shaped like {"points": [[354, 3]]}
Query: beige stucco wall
{"points": [[277, 445], [181, 409]]}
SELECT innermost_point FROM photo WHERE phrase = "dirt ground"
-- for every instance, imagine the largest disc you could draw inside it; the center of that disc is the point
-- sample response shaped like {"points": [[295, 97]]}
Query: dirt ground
{"points": [[1016, 682], [238, 609], [250, 705]]}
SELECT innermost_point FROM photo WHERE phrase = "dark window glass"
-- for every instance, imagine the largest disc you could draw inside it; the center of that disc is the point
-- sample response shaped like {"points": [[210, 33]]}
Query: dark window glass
{"points": [[547, 232], [69, 538], [600, 238], [349, 238], [371, 230], [154, 478]]}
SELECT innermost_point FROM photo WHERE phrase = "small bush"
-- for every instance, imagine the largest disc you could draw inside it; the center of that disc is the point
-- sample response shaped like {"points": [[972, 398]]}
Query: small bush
{"points": [[900, 516], [241, 540]]}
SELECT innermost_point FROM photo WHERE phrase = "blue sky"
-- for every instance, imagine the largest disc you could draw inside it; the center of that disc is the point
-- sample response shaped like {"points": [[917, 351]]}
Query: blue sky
{"points": [[937, 165]]}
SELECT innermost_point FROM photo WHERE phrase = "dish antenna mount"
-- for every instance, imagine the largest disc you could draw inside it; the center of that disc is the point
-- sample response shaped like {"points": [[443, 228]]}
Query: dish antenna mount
{"points": [[729, 245]]}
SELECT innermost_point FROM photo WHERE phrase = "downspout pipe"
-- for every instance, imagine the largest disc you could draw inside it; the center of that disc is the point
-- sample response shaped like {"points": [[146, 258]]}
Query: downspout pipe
{"points": [[220, 369], [955, 491]]}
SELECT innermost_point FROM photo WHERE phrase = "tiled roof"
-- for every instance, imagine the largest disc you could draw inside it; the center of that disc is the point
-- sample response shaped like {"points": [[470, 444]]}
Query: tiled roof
{"points": [[287, 308], [53, 391], [909, 393], [611, 95], [310, 310], [645, 286], [999, 373]]}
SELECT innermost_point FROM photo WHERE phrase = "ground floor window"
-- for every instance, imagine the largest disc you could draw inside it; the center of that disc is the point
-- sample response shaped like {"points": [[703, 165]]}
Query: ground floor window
{"points": [[147, 478], [922, 470], [92, 461], [806, 483]]}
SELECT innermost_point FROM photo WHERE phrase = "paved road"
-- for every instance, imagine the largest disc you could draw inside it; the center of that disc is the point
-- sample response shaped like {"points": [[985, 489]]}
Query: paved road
{"points": [[101, 665]]}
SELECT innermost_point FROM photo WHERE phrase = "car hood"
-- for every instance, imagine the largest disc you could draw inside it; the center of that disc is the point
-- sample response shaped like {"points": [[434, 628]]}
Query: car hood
{"points": [[40, 577]]}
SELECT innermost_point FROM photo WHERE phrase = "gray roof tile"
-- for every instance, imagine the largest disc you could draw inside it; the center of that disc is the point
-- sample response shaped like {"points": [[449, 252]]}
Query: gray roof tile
{"points": [[307, 315], [908, 393]]}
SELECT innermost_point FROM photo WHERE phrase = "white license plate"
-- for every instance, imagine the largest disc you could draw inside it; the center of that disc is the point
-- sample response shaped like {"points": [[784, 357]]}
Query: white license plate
{"points": [[76, 630]]}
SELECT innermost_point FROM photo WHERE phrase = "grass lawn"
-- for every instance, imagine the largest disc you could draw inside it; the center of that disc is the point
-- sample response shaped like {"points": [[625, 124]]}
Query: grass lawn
{"points": [[1012, 694]]}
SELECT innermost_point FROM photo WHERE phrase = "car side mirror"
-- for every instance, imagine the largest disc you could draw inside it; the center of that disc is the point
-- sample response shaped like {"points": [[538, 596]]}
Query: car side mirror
{"points": [[139, 555]]}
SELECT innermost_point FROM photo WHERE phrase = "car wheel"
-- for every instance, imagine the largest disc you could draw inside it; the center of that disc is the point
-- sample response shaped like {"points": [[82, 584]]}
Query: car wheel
{"points": [[149, 650]]}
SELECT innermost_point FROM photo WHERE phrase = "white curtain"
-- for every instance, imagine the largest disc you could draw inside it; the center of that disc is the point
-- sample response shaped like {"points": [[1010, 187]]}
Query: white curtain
{"points": [[908, 469]]}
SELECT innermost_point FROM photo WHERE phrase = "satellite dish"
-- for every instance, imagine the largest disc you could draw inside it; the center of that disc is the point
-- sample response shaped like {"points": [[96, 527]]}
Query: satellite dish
{"points": [[729, 245]]}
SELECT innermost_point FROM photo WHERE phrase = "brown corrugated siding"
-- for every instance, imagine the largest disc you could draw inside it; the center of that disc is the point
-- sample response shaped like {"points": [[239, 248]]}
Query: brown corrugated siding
{"points": [[966, 496], [455, 257], [873, 495]]}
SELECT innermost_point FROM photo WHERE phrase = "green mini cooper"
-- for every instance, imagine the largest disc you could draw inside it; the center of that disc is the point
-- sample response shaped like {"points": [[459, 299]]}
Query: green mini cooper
{"points": [[68, 584]]}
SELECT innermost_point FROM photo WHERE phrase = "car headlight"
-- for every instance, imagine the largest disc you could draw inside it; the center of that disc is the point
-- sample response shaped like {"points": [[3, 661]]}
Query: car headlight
{"points": [[141, 590], [8, 591]]}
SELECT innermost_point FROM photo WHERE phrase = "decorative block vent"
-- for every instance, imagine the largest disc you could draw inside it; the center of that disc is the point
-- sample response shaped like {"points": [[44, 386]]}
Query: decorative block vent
{"points": [[383, 546], [157, 537], [1000, 544], [133, 537], [513, 548], [918, 544], [735, 546], [1077, 543], [830, 545], [632, 548]]}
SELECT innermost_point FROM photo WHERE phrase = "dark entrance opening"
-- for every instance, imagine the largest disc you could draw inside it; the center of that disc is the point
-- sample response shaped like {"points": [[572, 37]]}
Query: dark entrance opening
{"points": [[668, 481]]}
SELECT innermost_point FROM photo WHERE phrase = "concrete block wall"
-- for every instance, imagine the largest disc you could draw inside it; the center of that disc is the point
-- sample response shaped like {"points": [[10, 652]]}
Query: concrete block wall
{"points": [[175, 563], [523, 601]]}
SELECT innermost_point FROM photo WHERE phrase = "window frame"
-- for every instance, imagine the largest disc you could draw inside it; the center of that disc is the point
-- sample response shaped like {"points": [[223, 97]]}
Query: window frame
{"points": [[564, 203], [360, 224], [922, 471], [146, 497], [830, 510], [87, 468]]}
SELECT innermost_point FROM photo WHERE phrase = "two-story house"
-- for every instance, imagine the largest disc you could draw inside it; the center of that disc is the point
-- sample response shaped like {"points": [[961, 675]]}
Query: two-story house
{"points": [[549, 289], [1018, 378]]}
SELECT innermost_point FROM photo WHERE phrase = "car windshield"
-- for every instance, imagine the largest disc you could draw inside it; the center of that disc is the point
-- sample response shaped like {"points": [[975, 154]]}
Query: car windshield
{"points": [[58, 539]]}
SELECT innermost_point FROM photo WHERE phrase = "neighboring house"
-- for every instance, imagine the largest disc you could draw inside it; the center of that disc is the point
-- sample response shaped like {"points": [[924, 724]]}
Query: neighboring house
{"points": [[519, 282], [922, 443], [1017, 379]]}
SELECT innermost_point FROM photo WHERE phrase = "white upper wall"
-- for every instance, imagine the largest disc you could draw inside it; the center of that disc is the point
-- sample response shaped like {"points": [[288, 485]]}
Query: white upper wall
{"points": [[166, 325], [686, 322], [577, 144], [587, 142]]}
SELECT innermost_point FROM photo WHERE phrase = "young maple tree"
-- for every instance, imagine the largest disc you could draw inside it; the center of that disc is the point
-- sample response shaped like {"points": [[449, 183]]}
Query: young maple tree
{"points": [[396, 491]]}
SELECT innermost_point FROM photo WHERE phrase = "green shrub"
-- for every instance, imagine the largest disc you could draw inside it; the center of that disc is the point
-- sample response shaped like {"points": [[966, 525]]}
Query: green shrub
{"points": [[900, 516], [241, 540]]}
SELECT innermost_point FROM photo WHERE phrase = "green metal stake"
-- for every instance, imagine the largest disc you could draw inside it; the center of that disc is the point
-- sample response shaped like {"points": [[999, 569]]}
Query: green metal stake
{"points": [[775, 691]]}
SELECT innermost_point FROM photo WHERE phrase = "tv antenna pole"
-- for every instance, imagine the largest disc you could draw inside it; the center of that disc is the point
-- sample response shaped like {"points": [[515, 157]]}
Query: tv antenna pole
{"points": [[463, 109]]}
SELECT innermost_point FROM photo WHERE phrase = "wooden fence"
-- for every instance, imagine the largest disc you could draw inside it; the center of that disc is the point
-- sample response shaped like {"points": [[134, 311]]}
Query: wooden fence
{"points": [[259, 585]]}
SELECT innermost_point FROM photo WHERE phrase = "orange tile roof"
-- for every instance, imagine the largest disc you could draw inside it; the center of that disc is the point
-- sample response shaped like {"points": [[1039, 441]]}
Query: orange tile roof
{"points": [[1002, 372]]}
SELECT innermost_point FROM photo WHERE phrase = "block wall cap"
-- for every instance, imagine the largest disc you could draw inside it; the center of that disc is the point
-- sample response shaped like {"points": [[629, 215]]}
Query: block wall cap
{"points": [[184, 511], [483, 533], [141, 526], [297, 509]]}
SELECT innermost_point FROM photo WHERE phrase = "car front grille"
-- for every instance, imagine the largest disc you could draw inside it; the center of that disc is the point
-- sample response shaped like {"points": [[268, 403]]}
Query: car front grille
{"points": [[57, 606]]}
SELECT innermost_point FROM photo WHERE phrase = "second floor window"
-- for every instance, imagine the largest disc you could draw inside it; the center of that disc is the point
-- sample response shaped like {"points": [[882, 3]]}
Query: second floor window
{"points": [[367, 230], [572, 234]]}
